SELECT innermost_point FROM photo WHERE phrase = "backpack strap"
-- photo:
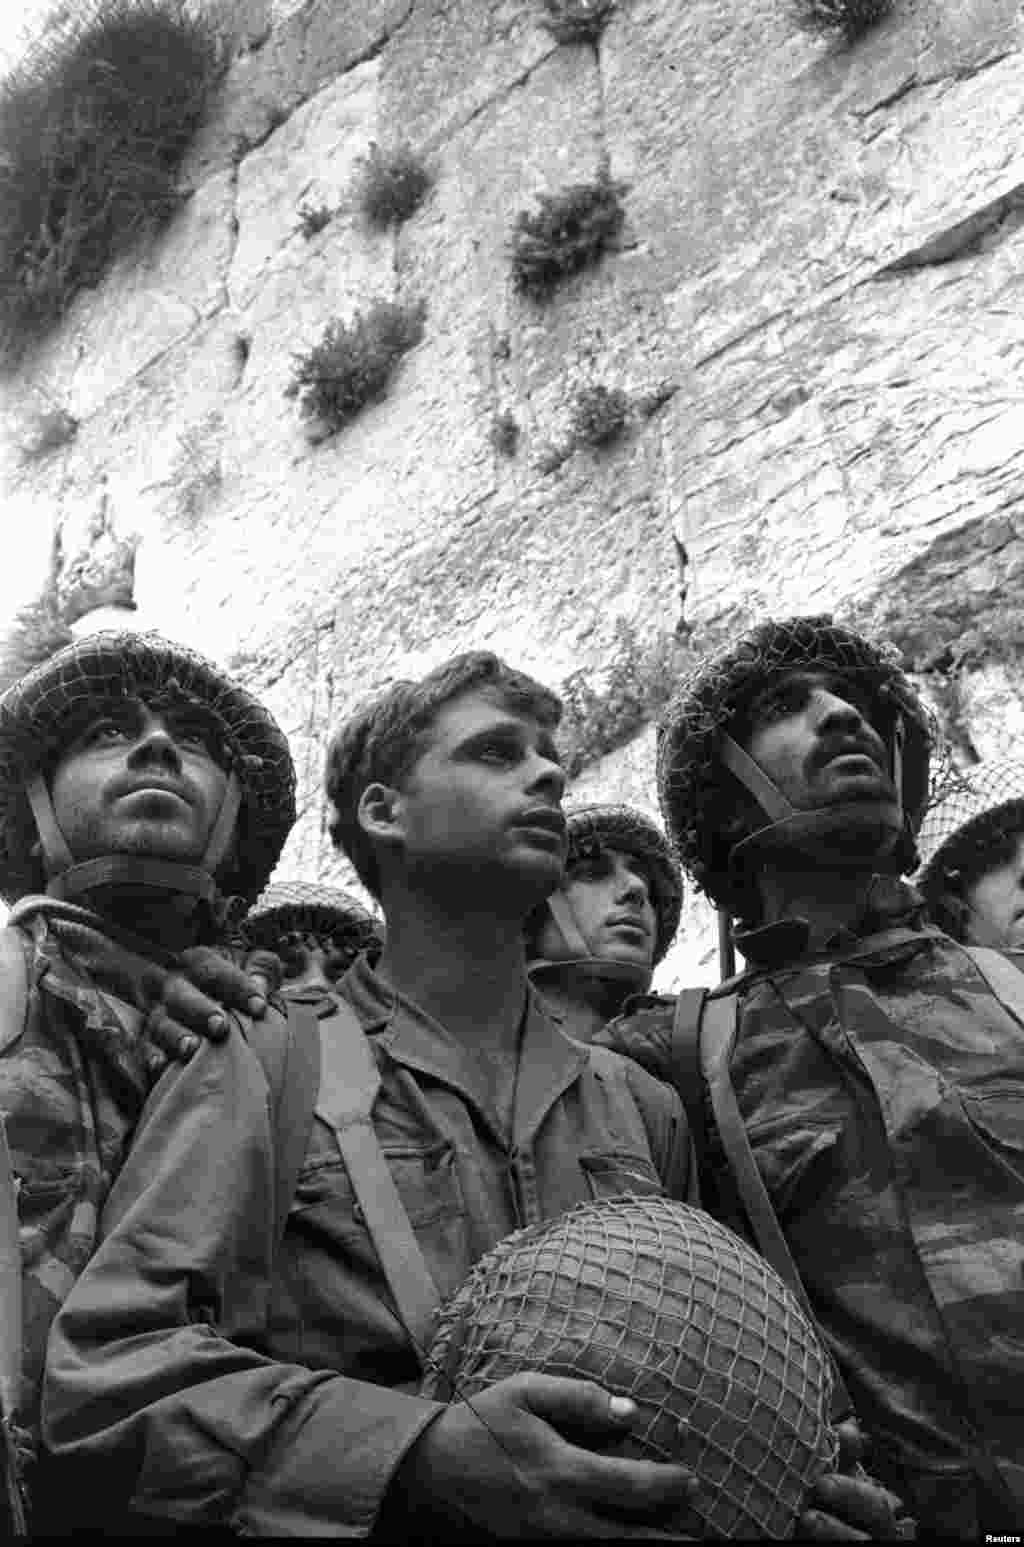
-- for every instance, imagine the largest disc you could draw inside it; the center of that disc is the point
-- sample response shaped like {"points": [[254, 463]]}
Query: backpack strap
{"points": [[291, 1064], [13, 1011], [717, 1037], [349, 1084], [686, 1070]]}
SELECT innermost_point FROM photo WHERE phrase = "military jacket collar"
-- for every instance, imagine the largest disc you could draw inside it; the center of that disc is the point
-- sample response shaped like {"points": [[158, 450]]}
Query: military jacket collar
{"points": [[549, 1062]]}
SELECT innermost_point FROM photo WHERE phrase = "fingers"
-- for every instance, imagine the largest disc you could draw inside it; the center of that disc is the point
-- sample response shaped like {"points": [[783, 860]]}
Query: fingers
{"points": [[627, 1489], [193, 1010], [853, 1443], [226, 984], [861, 1504], [822, 1527], [581, 1406], [265, 968], [168, 1039]]}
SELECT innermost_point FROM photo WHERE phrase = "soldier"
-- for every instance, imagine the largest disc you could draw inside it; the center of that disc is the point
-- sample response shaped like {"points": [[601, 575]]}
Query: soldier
{"points": [[316, 932], [139, 791], [597, 939], [449, 1110], [971, 845], [873, 1067]]}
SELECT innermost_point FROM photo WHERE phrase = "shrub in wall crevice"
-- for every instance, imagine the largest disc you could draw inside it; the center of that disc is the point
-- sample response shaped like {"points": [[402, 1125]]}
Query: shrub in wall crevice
{"points": [[353, 362], [577, 21], [849, 19], [639, 682], [567, 232], [93, 127], [392, 185]]}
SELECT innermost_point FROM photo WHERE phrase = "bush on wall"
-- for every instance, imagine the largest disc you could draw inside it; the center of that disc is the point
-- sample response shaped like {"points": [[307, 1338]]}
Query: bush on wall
{"points": [[848, 18], [577, 21], [567, 232], [393, 184], [353, 362], [93, 127]]}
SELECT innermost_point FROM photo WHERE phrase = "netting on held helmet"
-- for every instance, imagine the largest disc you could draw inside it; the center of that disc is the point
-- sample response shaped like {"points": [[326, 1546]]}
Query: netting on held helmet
{"points": [[592, 828], [695, 791], [41, 714], [657, 1302], [310, 908], [975, 811]]}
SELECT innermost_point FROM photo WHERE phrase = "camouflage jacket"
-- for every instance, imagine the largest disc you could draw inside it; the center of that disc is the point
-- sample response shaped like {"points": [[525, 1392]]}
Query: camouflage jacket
{"points": [[74, 1078], [882, 1088]]}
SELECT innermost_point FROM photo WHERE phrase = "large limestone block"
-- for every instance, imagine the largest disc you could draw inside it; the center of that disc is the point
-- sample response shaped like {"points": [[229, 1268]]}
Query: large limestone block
{"points": [[309, 45], [452, 58], [838, 448]]}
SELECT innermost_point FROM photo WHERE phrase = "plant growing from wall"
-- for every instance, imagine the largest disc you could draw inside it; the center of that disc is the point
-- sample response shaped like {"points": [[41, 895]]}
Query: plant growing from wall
{"points": [[640, 681], [392, 185], [37, 632], [598, 416], [48, 430], [353, 362], [567, 232], [313, 218], [93, 127], [850, 19], [505, 434], [577, 21]]}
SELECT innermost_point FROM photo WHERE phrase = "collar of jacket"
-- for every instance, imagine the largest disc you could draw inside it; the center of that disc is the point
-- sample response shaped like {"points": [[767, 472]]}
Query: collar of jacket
{"points": [[891, 903], [549, 1062]]}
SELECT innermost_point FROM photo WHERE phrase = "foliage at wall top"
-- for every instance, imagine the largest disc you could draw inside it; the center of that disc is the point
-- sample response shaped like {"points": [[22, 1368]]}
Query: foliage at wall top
{"points": [[393, 184], [598, 416], [353, 363], [577, 21], [567, 232], [850, 19], [93, 127]]}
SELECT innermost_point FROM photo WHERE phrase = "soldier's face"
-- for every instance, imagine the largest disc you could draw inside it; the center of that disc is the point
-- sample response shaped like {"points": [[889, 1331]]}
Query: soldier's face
{"points": [[609, 893], [481, 807], [996, 904], [136, 781], [809, 731]]}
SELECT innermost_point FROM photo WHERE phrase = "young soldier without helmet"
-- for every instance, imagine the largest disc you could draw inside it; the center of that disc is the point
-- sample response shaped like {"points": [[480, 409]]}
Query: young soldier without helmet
{"points": [[877, 1065]]}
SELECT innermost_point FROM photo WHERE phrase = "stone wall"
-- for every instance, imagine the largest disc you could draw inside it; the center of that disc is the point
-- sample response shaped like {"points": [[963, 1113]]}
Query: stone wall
{"points": [[814, 308]]}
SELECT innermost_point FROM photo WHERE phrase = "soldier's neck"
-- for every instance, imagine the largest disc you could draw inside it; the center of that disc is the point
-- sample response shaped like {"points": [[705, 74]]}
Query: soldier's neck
{"points": [[827, 898], [464, 966]]}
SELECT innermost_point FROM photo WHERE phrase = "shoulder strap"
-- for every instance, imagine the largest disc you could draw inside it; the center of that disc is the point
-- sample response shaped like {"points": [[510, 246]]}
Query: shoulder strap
{"points": [[718, 1034], [13, 1010], [349, 1084], [1002, 974], [291, 1063], [686, 1063]]}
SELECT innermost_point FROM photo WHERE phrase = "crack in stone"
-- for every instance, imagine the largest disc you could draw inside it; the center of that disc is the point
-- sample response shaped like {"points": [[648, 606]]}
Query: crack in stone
{"points": [[1002, 215]]}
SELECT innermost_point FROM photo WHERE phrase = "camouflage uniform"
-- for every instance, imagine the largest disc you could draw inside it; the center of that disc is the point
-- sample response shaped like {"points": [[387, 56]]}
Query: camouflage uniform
{"points": [[76, 1075], [881, 1084]]}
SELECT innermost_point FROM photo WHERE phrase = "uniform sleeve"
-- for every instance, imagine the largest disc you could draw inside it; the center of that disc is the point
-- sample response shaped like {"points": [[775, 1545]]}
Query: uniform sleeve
{"points": [[645, 1035], [149, 1399]]}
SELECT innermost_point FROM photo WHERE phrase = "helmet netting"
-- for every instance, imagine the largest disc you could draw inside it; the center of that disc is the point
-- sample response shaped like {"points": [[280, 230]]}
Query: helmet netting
{"points": [[592, 828], [691, 779], [657, 1302], [980, 808], [41, 714], [309, 908]]}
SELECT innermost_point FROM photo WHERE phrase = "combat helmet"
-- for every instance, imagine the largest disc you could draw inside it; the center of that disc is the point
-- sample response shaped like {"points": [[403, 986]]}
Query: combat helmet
{"points": [[696, 749], [969, 819], [43, 712], [589, 829], [309, 908]]}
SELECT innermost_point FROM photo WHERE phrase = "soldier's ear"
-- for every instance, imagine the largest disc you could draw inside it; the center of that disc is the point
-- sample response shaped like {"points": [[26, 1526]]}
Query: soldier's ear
{"points": [[380, 813]]}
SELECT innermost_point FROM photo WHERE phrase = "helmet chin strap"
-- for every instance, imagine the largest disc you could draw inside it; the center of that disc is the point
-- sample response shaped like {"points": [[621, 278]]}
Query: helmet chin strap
{"points": [[67, 879], [880, 824], [582, 955]]}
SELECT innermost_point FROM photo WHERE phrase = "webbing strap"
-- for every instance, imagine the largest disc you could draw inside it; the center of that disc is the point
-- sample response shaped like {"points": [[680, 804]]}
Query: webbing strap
{"points": [[561, 911], [349, 1082], [685, 1064], [13, 1008], [291, 1064], [718, 1031]]}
